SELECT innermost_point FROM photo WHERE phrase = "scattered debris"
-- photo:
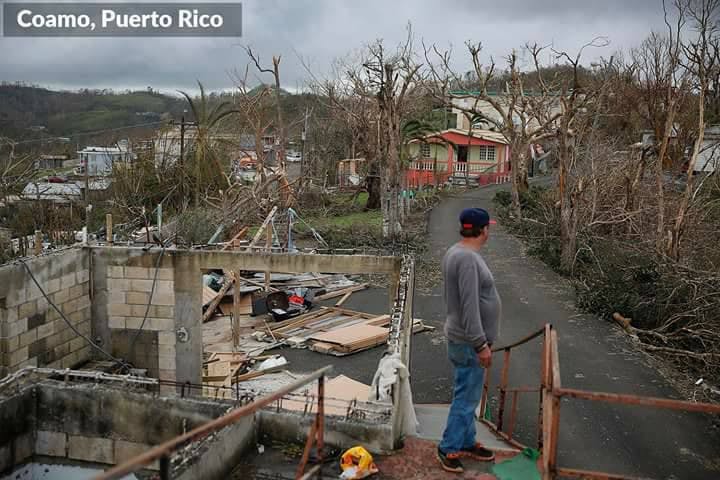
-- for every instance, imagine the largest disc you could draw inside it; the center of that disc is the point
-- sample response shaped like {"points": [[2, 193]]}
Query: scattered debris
{"points": [[334, 330], [357, 463], [223, 369]]}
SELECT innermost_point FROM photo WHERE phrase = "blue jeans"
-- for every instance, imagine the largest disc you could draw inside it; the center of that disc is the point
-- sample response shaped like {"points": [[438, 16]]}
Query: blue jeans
{"points": [[460, 429]]}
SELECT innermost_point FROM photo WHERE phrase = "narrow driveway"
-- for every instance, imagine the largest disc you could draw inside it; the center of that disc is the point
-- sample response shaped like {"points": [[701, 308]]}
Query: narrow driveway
{"points": [[594, 355]]}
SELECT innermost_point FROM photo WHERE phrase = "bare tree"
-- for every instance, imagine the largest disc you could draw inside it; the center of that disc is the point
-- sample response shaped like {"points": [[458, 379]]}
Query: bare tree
{"points": [[392, 78], [373, 95], [252, 105], [15, 170], [280, 125], [348, 97], [700, 55], [575, 98]]}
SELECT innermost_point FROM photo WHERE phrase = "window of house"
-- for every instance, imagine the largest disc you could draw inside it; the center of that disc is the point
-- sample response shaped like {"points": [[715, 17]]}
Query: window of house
{"points": [[487, 153], [425, 150]]}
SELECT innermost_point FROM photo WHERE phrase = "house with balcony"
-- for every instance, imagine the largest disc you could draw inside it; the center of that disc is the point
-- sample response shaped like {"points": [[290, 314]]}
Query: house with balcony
{"points": [[456, 156]]}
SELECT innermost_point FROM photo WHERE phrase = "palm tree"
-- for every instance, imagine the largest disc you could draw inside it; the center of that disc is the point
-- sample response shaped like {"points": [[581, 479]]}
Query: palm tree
{"points": [[413, 130], [207, 119]]}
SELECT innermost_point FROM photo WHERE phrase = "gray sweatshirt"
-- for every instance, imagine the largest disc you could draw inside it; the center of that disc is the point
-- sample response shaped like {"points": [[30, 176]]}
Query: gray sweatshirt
{"points": [[473, 303]]}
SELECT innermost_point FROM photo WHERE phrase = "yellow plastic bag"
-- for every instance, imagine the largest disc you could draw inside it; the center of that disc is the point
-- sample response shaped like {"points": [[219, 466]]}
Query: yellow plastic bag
{"points": [[357, 463]]}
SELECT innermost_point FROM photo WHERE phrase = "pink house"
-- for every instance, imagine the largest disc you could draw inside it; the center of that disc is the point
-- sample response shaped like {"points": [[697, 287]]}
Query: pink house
{"points": [[483, 157]]}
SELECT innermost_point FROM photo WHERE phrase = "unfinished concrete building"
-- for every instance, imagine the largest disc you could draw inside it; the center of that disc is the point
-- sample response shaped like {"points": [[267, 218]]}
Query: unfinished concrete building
{"points": [[66, 315], [105, 374]]}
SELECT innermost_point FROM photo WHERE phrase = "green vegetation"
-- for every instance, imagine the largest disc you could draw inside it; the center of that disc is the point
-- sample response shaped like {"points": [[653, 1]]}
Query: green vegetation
{"points": [[65, 113], [371, 219]]}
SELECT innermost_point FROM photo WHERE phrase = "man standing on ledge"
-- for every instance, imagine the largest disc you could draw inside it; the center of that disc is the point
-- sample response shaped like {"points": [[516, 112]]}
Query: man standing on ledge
{"points": [[471, 326]]}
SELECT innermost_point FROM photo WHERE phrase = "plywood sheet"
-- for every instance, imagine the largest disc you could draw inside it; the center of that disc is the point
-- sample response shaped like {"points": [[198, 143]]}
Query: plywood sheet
{"points": [[354, 334], [339, 392], [226, 305], [208, 294]]}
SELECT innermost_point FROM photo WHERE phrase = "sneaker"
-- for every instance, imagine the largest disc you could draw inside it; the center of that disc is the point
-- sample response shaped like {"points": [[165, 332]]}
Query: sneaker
{"points": [[478, 452], [450, 462]]}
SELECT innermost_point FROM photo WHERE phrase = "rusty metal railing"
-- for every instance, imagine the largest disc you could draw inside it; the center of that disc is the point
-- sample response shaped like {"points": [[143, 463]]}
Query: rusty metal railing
{"points": [[551, 392], [505, 428], [163, 451], [556, 391]]}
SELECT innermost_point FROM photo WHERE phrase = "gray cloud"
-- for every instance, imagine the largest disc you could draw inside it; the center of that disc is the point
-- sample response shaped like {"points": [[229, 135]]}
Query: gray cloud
{"points": [[320, 31]]}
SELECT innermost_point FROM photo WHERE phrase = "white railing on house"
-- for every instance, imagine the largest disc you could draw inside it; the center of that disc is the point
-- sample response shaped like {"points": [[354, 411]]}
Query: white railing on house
{"points": [[429, 165], [472, 167]]}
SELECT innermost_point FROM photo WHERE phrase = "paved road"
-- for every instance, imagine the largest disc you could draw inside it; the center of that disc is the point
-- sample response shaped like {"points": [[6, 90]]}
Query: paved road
{"points": [[593, 355]]}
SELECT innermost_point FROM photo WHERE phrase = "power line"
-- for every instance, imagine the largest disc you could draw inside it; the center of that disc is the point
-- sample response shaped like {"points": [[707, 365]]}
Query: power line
{"points": [[149, 304]]}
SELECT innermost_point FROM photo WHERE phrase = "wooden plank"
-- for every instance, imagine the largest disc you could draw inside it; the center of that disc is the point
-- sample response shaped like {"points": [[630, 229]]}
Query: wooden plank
{"points": [[321, 319], [340, 293], [350, 312], [268, 247], [251, 375], [353, 335], [236, 307], [216, 301], [290, 321], [306, 331], [231, 244], [380, 321], [232, 357], [302, 322], [261, 230], [343, 299], [258, 284]]}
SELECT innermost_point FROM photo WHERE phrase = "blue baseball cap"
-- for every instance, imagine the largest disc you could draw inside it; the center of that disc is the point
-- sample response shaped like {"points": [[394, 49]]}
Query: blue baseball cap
{"points": [[475, 217]]}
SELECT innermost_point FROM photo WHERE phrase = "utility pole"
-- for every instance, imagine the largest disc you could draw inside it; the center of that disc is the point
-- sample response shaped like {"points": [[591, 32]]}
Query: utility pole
{"points": [[181, 160], [304, 138], [182, 139]]}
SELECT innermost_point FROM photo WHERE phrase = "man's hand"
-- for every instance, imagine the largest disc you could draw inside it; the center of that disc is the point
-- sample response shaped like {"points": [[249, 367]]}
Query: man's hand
{"points": [[485, 357]]}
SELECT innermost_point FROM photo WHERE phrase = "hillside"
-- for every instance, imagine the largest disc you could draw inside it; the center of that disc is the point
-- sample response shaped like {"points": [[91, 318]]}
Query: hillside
{"points": [[64, 112]]}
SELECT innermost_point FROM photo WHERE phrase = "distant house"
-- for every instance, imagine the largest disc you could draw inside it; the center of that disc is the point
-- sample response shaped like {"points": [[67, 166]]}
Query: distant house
{"points": [[452, 154], [99, 161], [708, 160], [60, 193], [51, 192], [350, 172], [460, 101], [52, 162], [167, 144]]}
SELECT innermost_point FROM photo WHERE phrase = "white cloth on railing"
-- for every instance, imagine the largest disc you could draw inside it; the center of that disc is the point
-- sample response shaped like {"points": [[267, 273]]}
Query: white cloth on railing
{"points": [[385, 378]]}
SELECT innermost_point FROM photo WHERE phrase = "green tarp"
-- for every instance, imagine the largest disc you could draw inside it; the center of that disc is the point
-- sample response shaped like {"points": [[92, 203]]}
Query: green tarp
{"points": [[521, 467]]}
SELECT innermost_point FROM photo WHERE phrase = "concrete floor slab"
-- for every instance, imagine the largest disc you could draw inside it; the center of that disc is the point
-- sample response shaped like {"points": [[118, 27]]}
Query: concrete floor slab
{"points": [[432, 420]]}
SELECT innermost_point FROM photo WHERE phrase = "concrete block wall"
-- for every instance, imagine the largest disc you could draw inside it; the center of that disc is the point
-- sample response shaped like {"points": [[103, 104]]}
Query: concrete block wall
{"points": [[109, 425], [169, 345], [32, 332], [134, 304]]}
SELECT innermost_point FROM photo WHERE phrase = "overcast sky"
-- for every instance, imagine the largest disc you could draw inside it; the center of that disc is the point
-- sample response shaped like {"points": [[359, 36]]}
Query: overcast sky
{"points": [[319, 31]]}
